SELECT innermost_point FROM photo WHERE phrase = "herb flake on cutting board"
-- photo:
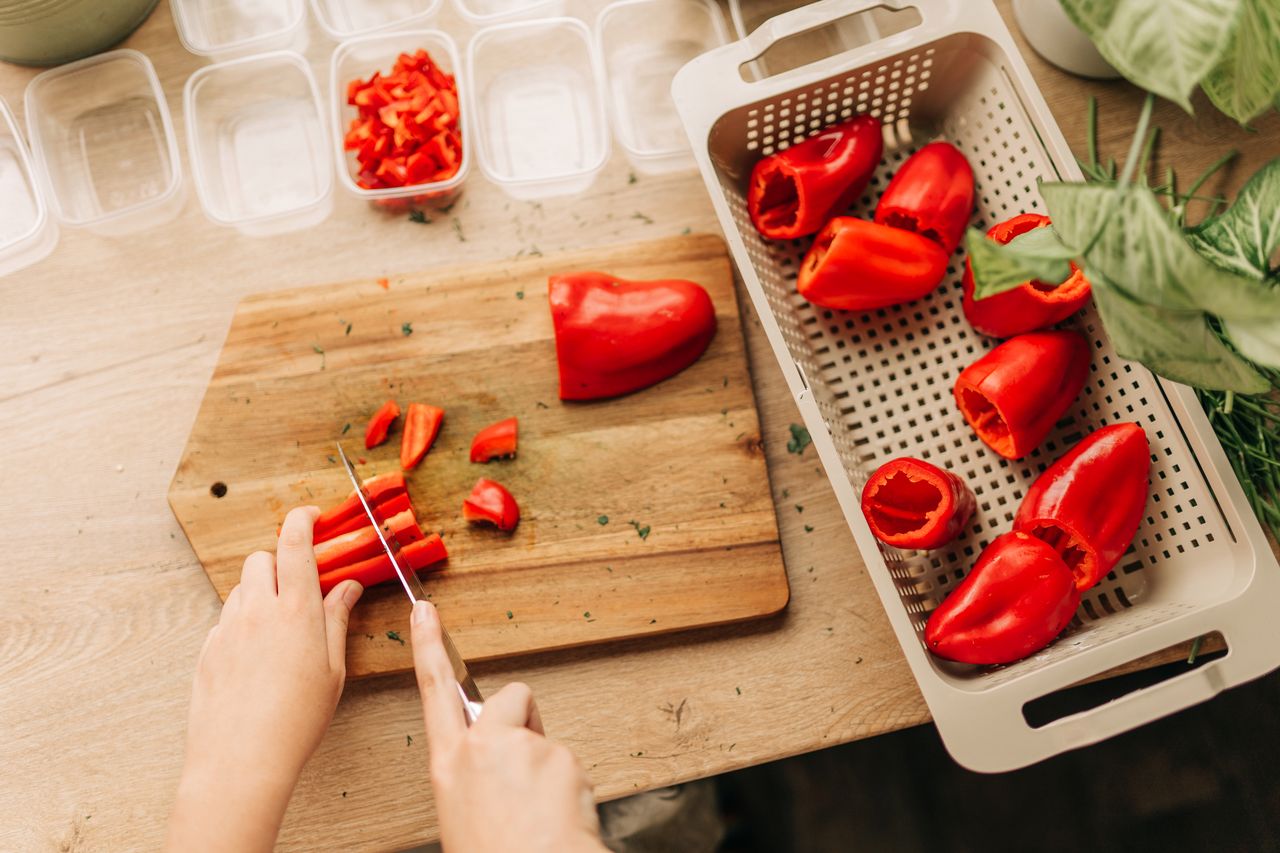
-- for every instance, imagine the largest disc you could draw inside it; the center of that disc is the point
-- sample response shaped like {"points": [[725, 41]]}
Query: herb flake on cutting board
{"points": [[800, 439], [392, 635], [406, 329], [602, 520], [641, 530]]}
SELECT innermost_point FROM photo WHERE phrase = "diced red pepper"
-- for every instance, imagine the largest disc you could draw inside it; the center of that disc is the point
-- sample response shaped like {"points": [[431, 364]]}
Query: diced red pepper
{"points": [[380, 424], [930, 194], [379, 487], [421, 426], [364, 543], [856, 265], [909, 503], [397, 503], [415, 557], [490, 502], [495, 441]]}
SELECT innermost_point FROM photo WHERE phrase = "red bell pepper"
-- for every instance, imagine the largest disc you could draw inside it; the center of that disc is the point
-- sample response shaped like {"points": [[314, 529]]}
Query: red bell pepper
{"points": [[393, 505], [1018, 597], [909, 503], [930, 194], [795, 191], [380, 424], [855, 265], [615, 336], [495, 441], [491, 502], [421, 426], [1013, 395], [1029, 306], [380, 488], [415, 557], [364, 543], [1088, 504]]}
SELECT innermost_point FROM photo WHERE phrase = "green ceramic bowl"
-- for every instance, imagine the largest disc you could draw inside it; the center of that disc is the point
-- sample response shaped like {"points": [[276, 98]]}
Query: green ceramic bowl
{"points": [[50, 32]]}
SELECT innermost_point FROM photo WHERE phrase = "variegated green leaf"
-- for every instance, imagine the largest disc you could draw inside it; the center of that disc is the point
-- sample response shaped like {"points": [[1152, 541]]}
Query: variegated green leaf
{"points": [[1246, 80]]}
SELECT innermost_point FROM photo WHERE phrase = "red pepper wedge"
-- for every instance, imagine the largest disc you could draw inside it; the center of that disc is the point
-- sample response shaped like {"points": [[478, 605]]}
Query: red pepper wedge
{"points": [[421, 426], [1029, 306], [930, 194], [856, 265], [490, 502], [909, 503], [393, 505], [1015, 600], [1013, 395], [364, 543], [379, 487], [376, 432], [615, 336], [1089, 503], [795, 191], [415, 557], [495, 441]]}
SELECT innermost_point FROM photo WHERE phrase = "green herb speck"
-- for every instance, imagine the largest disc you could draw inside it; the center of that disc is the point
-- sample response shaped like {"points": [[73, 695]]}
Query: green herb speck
{"points": [[800, 439], [510, 615], [641, 531], [519, 294], [799, 508], [686, 231], [392, 635], [346, 428], [406, 329], [808, 528], [602, 520], [457, 228], [739, 690], [419, 217], [647, 220], [631, 178]]}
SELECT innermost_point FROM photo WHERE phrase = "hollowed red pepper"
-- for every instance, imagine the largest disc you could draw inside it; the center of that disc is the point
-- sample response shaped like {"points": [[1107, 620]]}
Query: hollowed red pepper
{"points": [[380, 487], [380, 424], [393, 505], [1015, 600], [855, 265], [615, 336], [421, 426], [1029, 306], [415, 557], [495, 441], [490, 502], [364, 543], [1088, 504], [1013, 395], [909, 503], [930, 194], [793, 192]]}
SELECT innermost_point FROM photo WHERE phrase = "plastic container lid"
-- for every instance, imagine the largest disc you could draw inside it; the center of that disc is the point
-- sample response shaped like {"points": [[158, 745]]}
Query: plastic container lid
{"points": [[103, 143], [642, 44], [341, 19], [482, 13], [27, 232], [226, 28], [257, 140], [538, 107]]}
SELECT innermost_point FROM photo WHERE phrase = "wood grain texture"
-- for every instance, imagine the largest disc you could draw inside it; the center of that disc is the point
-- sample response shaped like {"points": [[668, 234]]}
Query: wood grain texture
{"points": [[682, 459], [106, 348]]}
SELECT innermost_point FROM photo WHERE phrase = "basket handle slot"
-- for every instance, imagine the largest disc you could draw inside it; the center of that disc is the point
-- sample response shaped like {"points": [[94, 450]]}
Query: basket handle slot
{"points": [[796, 41]]}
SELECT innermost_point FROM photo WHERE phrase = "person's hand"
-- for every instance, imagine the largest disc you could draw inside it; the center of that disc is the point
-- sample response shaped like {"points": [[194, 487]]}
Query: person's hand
{"points": [[500, 785], [266, 686]]}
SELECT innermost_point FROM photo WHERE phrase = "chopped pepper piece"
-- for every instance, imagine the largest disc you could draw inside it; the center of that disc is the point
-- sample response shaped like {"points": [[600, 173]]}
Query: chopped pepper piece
{"points": [[380, 424], [909, 503], [421, 426], [415, 557], [491, 502], [495, 441], [393, 505], [364, 543], [379, 487]]}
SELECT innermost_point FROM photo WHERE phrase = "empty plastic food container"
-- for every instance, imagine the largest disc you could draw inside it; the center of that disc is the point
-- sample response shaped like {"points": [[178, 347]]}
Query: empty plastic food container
{"points": [[483, 13], [257, 139], [103, 143], [342, 19], [643, 43], [226, 28], [27, 233], [537, 107]]}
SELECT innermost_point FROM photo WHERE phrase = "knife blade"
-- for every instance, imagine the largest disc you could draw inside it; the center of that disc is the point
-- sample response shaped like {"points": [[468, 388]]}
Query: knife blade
{"points": [[472, 700]]}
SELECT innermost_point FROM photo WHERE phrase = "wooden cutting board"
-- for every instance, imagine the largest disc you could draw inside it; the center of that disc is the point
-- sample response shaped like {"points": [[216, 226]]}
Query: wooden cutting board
{"points": [[680, 462]]}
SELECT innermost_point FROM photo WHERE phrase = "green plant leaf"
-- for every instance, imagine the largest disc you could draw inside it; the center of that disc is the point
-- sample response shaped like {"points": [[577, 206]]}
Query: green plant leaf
{"points": [[1035, 254], [1257, 340], [1246, 80], [1242, 238], [1164, 46]]}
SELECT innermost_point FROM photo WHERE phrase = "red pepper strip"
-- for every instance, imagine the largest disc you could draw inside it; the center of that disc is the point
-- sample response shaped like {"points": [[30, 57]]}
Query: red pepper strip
{"points": [[1029, 306], [364, 543], [1013, 395], [415, 557], [491, 502], [380, 423], [1015, 600], [615, 336], [793, 192], [855, 265], [930, 194], [1087, 506], [379, 487], [393, 505], [495, 441], [909, 503], [421, 426]]}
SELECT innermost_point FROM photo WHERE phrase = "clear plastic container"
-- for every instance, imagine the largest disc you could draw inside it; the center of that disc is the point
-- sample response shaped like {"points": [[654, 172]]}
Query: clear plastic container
{"points": [[538, 107], [360, 58], [483, 13], [27, 232], [258, 143], [342, 19], [643, 43], [103, 143], [223, 29]]}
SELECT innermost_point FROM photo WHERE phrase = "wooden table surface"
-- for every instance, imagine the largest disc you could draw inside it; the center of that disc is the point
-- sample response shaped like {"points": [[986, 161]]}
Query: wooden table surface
{"points": [[105, 349]]}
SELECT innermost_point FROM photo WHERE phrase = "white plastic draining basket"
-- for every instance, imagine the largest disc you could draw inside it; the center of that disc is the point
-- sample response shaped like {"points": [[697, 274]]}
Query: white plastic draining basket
{"points": [[878, 385]]}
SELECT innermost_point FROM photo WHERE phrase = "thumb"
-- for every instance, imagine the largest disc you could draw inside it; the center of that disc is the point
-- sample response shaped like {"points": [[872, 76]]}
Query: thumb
{"points": [[337, 612]]}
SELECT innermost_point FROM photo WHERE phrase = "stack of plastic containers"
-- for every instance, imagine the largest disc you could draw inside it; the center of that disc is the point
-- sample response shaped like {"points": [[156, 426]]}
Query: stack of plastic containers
{"points": [[27, 233]]}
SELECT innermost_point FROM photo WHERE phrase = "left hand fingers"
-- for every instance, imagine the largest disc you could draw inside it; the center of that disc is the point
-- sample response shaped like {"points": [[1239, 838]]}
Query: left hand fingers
{"points": [[296, 575], [337, 611]]}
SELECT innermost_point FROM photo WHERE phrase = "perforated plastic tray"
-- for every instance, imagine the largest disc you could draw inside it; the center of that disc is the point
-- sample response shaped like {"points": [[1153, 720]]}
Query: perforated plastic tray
{"points": [[874, 386]]}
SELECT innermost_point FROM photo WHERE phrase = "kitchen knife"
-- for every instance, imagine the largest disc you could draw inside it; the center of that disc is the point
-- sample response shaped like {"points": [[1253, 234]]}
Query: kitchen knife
{"points": [[472, 701]]}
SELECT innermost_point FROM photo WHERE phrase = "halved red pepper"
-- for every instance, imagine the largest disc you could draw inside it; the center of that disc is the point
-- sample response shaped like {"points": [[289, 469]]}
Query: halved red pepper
{"points": [[376, 432], [856, 265], [1089, 503], [415, 557], [495, 441], [364, 543], [793, 192], [1029, 306], [909, 503], [379, 487], [1015, 600], [421, 426], [397, 503], [615, 336], [930, 194], [1013, 395], [491, 502]]}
